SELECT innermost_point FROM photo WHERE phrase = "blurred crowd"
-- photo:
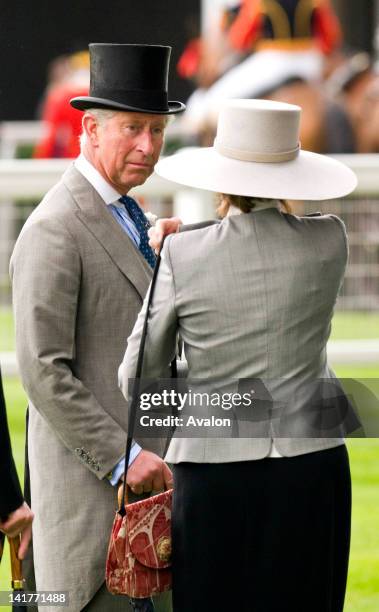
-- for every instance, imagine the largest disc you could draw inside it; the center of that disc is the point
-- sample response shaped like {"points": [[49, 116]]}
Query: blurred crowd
{"points": [[286, 50], [68, 76]]}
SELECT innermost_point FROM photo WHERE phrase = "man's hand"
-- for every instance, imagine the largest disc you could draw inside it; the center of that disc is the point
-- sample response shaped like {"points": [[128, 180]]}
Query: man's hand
{"points": [[19, 521], [161, 229], [148, 472]]}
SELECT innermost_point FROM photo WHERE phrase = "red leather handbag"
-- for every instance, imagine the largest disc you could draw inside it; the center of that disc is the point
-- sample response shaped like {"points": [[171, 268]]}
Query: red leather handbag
{"points": [[139, 552]]}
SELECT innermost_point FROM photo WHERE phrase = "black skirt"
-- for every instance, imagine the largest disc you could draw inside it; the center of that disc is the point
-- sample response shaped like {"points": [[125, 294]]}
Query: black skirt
{"points": [[270, 535]]}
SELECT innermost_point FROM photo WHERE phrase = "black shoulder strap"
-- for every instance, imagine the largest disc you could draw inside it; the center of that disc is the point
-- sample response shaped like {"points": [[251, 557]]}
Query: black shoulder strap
{"points": [[136, 383]]}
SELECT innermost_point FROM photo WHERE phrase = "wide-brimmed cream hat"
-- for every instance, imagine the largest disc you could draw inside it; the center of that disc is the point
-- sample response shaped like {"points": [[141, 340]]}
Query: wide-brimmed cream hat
{"points": [[257, 153]]}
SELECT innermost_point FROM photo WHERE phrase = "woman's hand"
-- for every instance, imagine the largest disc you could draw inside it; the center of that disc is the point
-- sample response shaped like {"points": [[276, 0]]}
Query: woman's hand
{"points": [[161, 229]]}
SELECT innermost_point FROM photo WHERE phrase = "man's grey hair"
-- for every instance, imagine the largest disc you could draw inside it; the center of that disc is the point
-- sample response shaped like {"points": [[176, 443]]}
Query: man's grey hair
{"points": [[102, 115]]}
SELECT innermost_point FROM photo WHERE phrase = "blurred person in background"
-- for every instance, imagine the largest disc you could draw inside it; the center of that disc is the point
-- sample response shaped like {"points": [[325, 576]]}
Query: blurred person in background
{"points": [[15, 515], [354, 83], [281, 41], [58, 69], [62, 124], [80, 270], [206, 58]]}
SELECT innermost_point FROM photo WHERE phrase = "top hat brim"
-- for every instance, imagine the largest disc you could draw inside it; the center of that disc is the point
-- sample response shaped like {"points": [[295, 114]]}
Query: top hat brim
{"points": [[84, 102]]}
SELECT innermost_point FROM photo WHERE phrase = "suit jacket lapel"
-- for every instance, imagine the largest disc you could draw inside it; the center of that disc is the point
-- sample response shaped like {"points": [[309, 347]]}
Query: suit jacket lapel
{"points": [[94, 215]]}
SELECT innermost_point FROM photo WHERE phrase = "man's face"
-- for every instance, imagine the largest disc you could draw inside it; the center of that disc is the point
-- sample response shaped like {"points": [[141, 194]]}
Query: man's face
{"points": [[128, 147]]}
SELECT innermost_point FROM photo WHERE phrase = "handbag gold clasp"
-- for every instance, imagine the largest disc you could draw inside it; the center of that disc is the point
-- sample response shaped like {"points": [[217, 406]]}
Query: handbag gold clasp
{"points": [[163, 548]]}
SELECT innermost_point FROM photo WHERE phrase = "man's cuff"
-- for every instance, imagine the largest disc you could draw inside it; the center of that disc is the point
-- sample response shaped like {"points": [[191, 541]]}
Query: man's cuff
{"points": [[119, 469]]}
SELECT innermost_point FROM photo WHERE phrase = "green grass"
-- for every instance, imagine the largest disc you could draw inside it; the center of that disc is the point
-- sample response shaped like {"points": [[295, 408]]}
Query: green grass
{"points": [[6, 329], [363, 580], [361, 370], [355, 326]]}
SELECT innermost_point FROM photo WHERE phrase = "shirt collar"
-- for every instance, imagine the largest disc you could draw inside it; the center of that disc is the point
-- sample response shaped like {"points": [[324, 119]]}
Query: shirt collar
{"points": [[98, 182]]}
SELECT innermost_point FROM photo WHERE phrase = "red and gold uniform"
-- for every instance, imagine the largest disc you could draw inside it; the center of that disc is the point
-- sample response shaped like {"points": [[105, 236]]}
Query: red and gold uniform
{"points": [[285, 24]]}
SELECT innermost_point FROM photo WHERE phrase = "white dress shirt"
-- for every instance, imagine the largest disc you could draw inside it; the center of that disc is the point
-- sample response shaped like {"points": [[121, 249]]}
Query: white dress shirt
{"points": [[93, 176]]}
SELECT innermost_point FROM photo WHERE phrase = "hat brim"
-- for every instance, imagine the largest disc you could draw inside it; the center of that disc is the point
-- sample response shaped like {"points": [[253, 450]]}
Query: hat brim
{"points": [[84, 102], [308, 177]]}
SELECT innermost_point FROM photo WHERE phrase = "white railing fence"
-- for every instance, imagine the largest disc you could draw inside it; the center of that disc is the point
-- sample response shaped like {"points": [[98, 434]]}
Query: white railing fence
{"points": [[24, 182]]}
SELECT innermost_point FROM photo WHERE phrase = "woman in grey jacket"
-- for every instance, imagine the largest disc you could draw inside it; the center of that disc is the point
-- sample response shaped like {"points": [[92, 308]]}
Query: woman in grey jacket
{"points": [[261, 517]]}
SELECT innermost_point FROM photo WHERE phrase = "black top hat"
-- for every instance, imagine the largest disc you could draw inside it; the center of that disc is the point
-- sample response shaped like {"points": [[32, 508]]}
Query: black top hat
{"points": [[129, 77]]}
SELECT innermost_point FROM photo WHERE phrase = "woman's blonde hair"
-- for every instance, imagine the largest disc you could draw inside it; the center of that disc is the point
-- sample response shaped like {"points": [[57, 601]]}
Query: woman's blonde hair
{"points": [[246, 203]]}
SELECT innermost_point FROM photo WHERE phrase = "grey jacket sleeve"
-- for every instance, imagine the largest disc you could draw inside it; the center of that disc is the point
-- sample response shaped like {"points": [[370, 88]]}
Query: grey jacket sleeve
{"points": [[46, 274]]}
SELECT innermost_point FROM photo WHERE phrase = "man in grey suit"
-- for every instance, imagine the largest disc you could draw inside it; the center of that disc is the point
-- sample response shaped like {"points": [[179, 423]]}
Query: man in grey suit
{"points": [[80, 271]]}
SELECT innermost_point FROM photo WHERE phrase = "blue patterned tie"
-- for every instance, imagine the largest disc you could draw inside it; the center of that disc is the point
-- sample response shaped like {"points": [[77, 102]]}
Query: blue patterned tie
{"points": [[142, 225]]}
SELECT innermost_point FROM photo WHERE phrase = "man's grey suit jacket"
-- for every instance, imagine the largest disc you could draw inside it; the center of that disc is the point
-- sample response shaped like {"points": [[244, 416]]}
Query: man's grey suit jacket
{"points": [[78, 285]]}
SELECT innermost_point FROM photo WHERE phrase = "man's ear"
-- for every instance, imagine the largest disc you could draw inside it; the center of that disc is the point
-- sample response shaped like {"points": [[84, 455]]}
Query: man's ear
{"points": [[90, 128]]}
